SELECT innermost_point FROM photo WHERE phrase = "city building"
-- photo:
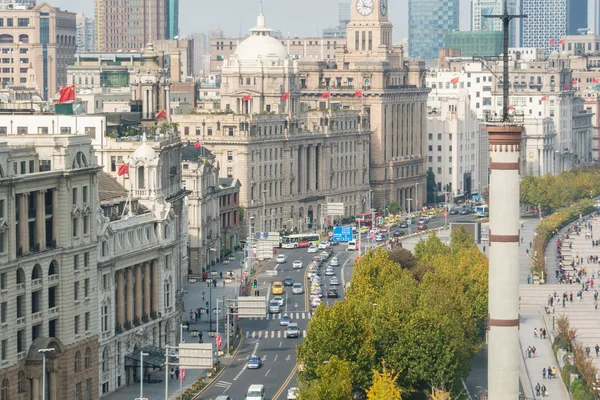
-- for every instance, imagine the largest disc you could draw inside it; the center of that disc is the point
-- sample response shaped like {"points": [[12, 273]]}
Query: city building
{"points": [[538, 154], [38, 42], [142, 259], [289, 160], [200, 174], [340, 30], [475, 44], [545, 24], [577, 17], [201, 50], [86, 34], [526, 54], [593, 16], [129, 25], [579, 45], [481, 8], [48, 281], [457, 152], [177, 56], [591, 99], [222, 49], [428, 23], [372, 76], [230, 213]]}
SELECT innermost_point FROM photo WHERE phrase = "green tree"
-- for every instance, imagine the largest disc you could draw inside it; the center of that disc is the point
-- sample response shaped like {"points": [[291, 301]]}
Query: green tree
{"points": [[431, 188], [460, 239], [334, 381], [393, 207], [384, 386], [403, 257]]}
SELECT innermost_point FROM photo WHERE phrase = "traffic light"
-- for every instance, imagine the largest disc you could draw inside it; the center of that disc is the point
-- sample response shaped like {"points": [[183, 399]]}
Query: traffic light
{"points": [[308, 220], [255, 283], [207, 304]]}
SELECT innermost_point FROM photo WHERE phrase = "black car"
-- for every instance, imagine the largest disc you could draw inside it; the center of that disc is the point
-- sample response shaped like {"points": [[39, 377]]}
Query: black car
{"points": [[288, 282], [332, 292], [465, 211], [403, 225], [399, 233], [454, 211]]}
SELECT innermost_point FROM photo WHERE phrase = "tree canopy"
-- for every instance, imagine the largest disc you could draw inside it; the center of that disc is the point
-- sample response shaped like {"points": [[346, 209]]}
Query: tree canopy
{"points": [[555, 191], [407, 323]]}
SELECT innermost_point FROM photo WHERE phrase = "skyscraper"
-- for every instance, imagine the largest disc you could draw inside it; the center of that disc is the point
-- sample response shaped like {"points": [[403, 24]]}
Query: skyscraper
{"points": [[546, 22], [429, 20], [86, 34], [577, 16], [129, 25], [594, 15], [481, 8]]}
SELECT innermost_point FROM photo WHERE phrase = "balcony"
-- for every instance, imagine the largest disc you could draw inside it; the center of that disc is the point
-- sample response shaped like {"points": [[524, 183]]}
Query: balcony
{"points": [[53, 278], [20, 321], [21, 356], [53, 311], [36, 316], [36, 282], [20, 287]]}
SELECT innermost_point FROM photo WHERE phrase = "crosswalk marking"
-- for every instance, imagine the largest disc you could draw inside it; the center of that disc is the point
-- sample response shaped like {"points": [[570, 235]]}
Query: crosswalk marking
{"points": [[223, 384], [268, 334], [292, 315]]}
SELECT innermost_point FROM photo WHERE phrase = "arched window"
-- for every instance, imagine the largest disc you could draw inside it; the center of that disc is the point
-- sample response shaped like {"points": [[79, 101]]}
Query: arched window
{"points": [[77, 361], [6, 38], [1, 172], [88, 358], [37, 272], [20, 276], [104, 248], [141, 178], [105, 360], [24, 38], [53, 268], [4, 390], [21, 382]]}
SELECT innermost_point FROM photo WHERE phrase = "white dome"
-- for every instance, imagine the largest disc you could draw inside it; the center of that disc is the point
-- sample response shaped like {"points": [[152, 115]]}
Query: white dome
{"points": [[260, 47], [144, 152]]}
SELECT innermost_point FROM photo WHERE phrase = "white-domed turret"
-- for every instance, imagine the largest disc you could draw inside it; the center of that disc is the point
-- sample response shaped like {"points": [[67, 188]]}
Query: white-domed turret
{"points": [[260, 44], [144, 152]]}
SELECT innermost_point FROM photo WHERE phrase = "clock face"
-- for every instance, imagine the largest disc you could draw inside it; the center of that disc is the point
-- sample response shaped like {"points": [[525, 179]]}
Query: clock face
{"points": [[383, 7], [364, 7]]}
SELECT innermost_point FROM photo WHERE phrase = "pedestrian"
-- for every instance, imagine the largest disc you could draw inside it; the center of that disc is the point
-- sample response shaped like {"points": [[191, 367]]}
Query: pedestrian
{"points": [[528, 279], [597, 350], [587, 350], [535, 333], [537, 389], [223, 282], [200, 340], [484, 249], [521, 239], [530, 244], [563, 302], [221, 274], [172, 373], [544, 392], [544, 373], [527, 251], [202, 296], [177, 373]]}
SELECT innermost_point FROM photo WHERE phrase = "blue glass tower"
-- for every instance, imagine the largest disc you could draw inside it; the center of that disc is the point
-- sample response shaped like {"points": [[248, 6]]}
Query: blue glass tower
{"points": [[172, 19], [428, 23]]}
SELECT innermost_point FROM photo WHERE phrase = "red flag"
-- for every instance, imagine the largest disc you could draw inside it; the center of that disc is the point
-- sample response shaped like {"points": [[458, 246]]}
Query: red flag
{"points": [[162, 114], [566, 86], [544, 98], [326, 95], [552, 41], [123, 169], [454, 81], [247, 97], [197, 145], [561, 42], [286, 96], [511, 107], [595, 80], [67, 94], [358, 94]]}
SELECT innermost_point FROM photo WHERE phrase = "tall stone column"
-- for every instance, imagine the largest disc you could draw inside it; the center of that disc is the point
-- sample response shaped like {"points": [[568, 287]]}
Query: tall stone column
{"points": [[503, 321], [129, 294], [147, 290], [55, 215], [23, 224], [40, 219], [120, 299], [138, 292], [154, 285]]}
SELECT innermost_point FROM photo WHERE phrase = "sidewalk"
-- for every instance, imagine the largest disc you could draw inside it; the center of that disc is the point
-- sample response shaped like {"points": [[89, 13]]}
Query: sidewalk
{"points": [[193, 299]]}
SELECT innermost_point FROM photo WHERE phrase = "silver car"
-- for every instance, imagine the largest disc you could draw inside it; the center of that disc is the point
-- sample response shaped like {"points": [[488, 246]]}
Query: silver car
{"points": [[297, 288], [297, 264]]}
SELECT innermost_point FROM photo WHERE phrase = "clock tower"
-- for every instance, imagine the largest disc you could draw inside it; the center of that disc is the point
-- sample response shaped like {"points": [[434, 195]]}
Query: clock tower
{"points": [[369, 29]]}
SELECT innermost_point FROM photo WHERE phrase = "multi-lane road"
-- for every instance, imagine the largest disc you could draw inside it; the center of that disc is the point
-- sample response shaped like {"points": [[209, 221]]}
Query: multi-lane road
{"points": [[264, 337]]}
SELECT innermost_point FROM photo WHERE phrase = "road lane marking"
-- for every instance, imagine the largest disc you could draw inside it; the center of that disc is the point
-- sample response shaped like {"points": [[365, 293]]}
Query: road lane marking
{"points": [[285, 383], [259, 334], [278, 334], [288, 358], [276, 355], [280, 343], [343, 268], [272, 334], [267, 372]]}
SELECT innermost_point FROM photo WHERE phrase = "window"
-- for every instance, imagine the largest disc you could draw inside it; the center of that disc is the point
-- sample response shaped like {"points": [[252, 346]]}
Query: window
{"points": [[23, 21], [78, 390], [86, 260], [439, 148], [229, 172], [3, 281], [3, 310], [230, 156], [84, 194], [4, 353], [87, 322], [104, 318], [35, 302], [20, 341], [77, 363], [88, 356], [1, 208], [9, 22], [76, 291], [74, 195], [85, 224], [105, 360], [76, 324], [76, 262], [86, 288], [75, 224]]}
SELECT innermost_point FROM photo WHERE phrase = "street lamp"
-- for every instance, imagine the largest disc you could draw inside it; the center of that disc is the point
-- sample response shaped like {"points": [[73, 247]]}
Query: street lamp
{"points": [[142, 354], [416, 196], [409, 219], [44, 351], [210, 286], [264, 213]]}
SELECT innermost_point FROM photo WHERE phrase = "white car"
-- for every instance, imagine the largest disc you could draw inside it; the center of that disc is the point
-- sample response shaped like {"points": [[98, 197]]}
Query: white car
{"points": [[279, 299], [334, 262], [312, 249], [297, 288], [315, 302], [297, 264], [316, 279], [379, 238], [292, 394], [281, 258], [323, 245], [334, 281], [329, 271]]}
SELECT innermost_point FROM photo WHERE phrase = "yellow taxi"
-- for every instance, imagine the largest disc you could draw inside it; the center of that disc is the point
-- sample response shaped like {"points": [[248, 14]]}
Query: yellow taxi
{"points": [[364, 229], [277, 288]]}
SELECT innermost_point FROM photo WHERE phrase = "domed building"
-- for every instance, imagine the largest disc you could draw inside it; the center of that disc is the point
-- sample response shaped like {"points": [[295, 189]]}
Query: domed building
{"points": [[258, 74]]}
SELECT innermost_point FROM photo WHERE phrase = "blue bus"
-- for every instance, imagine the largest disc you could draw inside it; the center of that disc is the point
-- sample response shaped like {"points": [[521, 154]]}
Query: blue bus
{"points": [[482, 211]]}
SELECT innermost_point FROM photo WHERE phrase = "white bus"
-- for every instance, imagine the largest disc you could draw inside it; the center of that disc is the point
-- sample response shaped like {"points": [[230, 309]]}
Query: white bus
{"points": [[300, 240]]}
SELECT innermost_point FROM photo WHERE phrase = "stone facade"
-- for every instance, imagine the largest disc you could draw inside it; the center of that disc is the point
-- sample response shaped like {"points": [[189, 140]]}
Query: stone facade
{"points": [[48, 292]]}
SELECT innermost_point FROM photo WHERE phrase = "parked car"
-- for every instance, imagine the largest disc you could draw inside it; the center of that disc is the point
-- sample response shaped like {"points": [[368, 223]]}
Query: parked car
{"points": [[454, 211]]}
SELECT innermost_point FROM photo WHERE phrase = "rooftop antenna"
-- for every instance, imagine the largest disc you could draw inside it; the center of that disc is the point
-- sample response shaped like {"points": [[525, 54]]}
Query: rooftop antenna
{"points": [[505, 17], [261, 6]]}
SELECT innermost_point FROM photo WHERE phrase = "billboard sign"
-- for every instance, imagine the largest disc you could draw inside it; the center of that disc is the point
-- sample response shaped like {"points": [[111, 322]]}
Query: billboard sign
{"points": [[196, 355], [342, 233], [252, 307], [335, 208]]}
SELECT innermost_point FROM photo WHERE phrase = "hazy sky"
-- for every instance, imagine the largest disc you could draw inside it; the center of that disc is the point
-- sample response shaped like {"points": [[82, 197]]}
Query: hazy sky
{"points": [[296, 17]]}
